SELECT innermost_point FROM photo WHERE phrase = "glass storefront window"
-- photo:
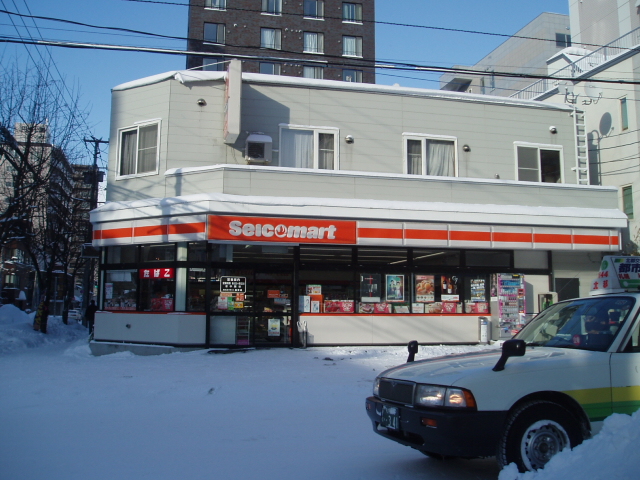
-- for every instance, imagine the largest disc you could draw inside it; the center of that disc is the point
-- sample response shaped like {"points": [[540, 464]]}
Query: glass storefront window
{"points": [[396, 257], [231, 290], [429, 257], [487, 258], [253, 253], [197, 252], [157, 294], [196, 288], [326, 255], [327, 292], [121, 254], [159, 253], [120, 290]]}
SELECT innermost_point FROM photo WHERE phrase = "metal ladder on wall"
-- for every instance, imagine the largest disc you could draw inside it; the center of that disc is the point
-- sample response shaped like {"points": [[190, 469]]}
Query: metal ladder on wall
{"points": [[582, 148]]}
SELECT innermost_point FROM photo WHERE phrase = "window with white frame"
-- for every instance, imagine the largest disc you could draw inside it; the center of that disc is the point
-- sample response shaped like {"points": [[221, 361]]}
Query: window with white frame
{"points": [[270, 68], [139, 149], [313, 42], [539, 163], [351, 46], [273, 7], [216, 4], [271, 38], [214, 32], [352, 12], [430, 155], [214, 64], [314, 9], [349, 75], [624, 114], [309, 147], [313, 72]]}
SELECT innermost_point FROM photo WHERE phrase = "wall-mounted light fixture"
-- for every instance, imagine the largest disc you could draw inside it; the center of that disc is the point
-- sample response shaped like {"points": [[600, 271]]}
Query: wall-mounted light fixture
{"points": [[466, 148], [349, 139], [553, 129], [202, 102]]}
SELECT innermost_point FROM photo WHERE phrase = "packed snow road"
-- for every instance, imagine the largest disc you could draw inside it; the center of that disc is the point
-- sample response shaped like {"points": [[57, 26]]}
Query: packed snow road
{"points": [[285, 414]]}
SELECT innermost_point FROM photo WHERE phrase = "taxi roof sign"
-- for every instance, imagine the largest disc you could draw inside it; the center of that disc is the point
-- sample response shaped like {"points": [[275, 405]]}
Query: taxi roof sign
{"points": [[617, 275]]}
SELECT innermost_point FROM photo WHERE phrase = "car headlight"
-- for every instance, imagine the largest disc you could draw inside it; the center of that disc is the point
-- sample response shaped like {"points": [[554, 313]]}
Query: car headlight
{"points": [[376, 387], [438, 396]]}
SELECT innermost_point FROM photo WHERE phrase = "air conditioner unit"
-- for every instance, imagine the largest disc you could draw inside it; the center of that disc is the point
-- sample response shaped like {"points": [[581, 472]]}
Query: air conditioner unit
{"points": [[258, 148]]}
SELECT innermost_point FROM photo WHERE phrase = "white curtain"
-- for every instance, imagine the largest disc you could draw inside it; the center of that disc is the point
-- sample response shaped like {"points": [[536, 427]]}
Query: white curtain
{"points": [[148, 148], [296, 149], [440, 158], [310, 42], [268, 39], [349, 46], [414, 157]]}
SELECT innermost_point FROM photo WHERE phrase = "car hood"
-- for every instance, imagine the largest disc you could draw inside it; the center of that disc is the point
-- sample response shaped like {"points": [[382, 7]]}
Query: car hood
{"points": [[453, 369]]}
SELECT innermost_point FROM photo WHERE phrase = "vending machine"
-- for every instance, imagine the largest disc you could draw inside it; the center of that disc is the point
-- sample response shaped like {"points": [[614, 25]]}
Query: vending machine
{"points": [[511, 301]]}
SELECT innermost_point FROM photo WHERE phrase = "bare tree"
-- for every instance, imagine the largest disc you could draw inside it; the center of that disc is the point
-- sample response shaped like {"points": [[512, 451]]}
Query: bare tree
{"points": [[41, 131]]}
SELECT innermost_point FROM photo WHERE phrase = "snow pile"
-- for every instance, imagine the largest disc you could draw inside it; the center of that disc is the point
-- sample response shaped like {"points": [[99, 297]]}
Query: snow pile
{"points": [[612, 453], [17, 333]]}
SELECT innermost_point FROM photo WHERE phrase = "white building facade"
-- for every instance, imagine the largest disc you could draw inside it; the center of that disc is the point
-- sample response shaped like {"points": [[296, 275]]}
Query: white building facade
{"points": [[244, 209]]}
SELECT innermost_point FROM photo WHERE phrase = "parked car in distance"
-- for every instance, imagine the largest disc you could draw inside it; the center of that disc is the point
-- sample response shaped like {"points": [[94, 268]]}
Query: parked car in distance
{"points": [[74, 316]]}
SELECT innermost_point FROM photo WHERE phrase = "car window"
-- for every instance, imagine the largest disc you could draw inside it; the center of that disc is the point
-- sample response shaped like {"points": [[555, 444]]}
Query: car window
{"points": [[588, 324]]}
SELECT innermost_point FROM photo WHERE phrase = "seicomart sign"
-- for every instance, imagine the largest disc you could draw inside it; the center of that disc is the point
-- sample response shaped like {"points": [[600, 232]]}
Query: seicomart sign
{"points": [[278, 230]]}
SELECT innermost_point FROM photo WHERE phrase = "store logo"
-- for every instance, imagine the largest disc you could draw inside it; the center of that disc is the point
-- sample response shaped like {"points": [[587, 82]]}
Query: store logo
{"points": [[237, 228], [281, 229]]}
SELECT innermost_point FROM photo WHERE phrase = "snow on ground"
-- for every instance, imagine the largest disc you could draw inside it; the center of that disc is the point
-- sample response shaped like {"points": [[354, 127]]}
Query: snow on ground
{"points": [[264, 414]]}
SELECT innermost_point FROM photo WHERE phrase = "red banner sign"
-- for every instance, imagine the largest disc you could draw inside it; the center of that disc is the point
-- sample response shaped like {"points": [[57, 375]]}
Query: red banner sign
{"points": [[157, 273], [281, 230]]}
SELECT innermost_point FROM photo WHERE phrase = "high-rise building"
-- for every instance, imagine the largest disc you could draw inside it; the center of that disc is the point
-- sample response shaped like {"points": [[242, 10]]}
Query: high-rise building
{"points": [[322, 39]]}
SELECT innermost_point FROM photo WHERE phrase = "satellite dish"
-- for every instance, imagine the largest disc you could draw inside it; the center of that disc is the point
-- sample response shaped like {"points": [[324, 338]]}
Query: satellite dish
{"points": [[592, 91], [565, 87]]}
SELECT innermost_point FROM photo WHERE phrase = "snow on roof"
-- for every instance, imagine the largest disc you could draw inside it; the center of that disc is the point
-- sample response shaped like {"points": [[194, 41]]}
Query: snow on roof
{"points": [[194, 76]]}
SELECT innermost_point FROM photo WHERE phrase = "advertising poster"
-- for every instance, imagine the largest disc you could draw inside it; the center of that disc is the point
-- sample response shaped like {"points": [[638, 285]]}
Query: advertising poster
{"points": [[395, 288], [108, 291], [425, 291], [370, 287], [477, 290], [273, 327]]}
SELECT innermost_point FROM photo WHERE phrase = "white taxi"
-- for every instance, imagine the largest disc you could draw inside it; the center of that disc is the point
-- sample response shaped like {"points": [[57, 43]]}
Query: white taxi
{"points": [[548, 389]]}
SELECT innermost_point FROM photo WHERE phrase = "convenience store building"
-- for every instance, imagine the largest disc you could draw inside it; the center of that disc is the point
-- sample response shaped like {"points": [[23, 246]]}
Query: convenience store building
{"points": [[243, 208]]}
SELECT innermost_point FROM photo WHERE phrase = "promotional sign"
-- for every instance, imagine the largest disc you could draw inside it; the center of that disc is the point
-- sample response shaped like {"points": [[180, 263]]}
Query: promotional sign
{"points": [[273, 327], [425, 290], [370, 287], [395, 288], [157, 273], [233, 284], [281, 230]]}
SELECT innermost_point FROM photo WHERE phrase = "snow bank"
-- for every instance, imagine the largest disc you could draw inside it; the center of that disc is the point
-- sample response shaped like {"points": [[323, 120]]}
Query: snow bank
{"points": [[612, 453], [17, 333]]}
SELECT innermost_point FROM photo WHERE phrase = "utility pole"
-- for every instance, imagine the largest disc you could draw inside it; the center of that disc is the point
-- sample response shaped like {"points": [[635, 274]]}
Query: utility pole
{"points": [[94, 179]]}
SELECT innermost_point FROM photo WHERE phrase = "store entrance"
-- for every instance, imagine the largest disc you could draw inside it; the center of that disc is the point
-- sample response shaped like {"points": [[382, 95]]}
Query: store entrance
{"points": [[251, 307]]}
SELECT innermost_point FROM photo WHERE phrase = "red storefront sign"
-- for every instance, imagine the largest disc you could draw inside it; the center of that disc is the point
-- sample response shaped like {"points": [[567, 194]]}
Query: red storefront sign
{"points": [[279, 230], [157, 273]]}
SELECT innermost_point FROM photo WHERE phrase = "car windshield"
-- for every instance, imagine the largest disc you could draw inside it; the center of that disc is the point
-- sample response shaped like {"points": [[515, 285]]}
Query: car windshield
{"points": [[587, 324]]}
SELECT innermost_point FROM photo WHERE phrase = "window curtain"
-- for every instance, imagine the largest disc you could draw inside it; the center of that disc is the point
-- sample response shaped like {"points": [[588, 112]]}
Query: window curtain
{"points": [[349, 12], [272, 6], [440, 158], [326, 151], [296, 150], [129, 147], [349, 46], [270, 38], [414, 157], [148, 149], [310, 42]]}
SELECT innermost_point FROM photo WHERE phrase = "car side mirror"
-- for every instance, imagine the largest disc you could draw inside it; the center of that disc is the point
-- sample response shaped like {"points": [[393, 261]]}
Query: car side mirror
{"points": [[510, 348], [413, 349]]}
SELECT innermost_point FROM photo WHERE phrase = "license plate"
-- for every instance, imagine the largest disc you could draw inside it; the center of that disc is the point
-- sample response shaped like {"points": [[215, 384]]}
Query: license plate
{"points": [[390, 417]]}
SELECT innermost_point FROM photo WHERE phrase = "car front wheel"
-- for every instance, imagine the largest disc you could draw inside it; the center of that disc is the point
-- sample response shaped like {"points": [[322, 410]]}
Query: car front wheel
{"points": [[535, 432]]}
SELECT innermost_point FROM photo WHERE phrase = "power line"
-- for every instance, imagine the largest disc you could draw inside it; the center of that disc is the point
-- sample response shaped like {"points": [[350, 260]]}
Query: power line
{"points": [[341, 63], [376, 22]]}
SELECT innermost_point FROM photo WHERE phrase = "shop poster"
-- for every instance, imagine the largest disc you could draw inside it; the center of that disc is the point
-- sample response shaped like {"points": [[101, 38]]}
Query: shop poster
{"points": [[370, 287], [273, 327], [425, 291], [395, 288]]}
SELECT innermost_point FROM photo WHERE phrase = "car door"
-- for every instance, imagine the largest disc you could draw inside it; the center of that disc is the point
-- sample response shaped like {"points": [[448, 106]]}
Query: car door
{"points": [[625, 373]]}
